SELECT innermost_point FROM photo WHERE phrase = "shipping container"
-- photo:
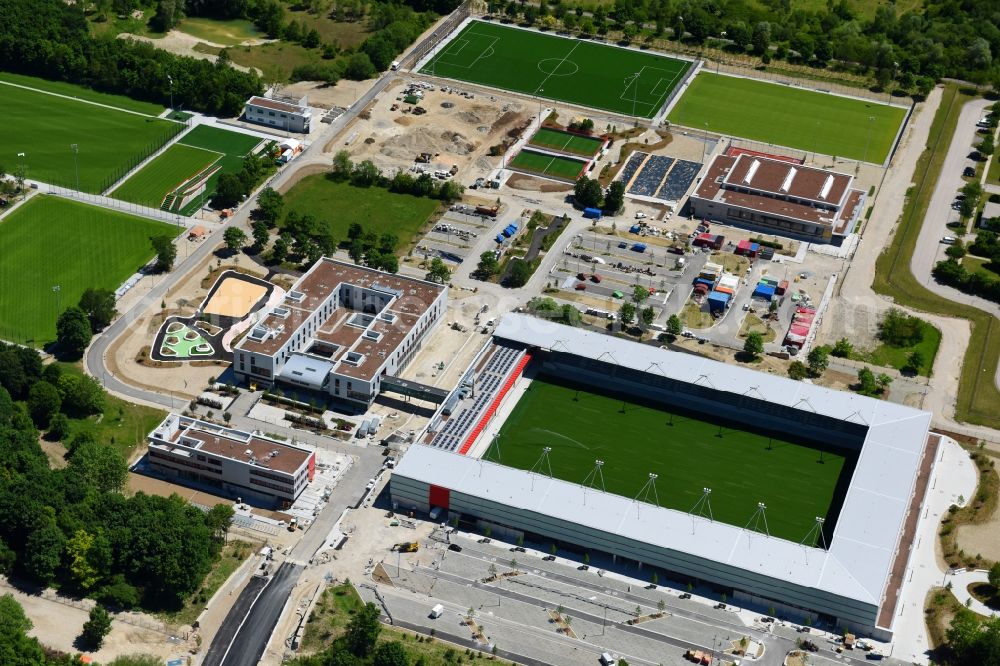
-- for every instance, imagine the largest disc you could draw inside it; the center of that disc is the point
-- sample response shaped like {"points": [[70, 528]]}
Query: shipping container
{"points": [[592, 213], [782, 288]]}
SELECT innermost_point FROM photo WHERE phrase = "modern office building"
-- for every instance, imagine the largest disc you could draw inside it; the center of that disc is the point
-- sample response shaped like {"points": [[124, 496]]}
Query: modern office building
{"points": [[343, 330], [239, 463], [278, 114], [778, 197], [849, 573]]}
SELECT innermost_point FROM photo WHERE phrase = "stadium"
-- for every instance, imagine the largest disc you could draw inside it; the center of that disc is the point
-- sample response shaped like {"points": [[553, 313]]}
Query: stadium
{"points": [[777, 493]]}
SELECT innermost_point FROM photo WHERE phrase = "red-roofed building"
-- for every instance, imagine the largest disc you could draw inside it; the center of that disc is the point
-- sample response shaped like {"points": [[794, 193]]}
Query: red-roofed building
{"points": [[778, 197]]}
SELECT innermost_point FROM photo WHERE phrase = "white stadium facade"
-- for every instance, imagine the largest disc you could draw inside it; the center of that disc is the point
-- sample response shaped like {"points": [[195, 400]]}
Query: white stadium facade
{"points": [[853, 582]]}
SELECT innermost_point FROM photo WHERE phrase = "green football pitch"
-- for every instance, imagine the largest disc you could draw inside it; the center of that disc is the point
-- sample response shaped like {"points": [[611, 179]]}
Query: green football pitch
{"points": [[164, 174], [566, 142], [566, 168], [45, 128], [794, 481], [568, 70], [806, 120], [52, 242]]}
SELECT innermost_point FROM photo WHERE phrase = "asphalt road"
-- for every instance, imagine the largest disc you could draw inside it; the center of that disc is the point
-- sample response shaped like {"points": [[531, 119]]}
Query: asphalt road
{"points": [[224, 637]]}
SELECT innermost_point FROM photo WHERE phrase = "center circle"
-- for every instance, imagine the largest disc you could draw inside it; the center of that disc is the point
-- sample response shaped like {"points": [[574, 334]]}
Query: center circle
{"points": [[558, 67]]}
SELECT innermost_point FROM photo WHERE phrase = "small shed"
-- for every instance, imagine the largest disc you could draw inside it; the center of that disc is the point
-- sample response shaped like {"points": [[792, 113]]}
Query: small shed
{"points": [[718, 300], [764, 291]]}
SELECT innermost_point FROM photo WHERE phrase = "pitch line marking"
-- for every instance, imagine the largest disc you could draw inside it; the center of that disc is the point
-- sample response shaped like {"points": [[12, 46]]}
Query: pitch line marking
{"points": [[542, 84]]}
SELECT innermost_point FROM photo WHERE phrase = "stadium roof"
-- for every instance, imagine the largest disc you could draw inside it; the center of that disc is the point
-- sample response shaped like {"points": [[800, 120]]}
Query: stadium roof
{"points": [[859, 561]]}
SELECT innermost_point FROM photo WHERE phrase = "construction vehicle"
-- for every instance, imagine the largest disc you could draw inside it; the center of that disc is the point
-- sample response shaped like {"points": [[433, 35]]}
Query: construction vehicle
{"points": [[407, 547]]}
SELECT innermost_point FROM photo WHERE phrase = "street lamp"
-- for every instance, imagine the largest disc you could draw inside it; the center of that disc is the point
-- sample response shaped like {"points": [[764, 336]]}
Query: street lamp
{"points": [[76, 163], [170, 80], [22, 173]]}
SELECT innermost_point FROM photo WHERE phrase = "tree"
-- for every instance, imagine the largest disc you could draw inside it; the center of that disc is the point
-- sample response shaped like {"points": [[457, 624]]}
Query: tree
{"points": [[270, 203], [647, 316], [43, 553], [166, 252], [819, 360], [235, 238], [986, 146], [674, 326], [43, 403], [518, 273], [639, 294], [363, 630], [359, 67], [914, 362], [342, 168], [587, 193], [58, 427], [229, 191], [97, 627], [626, 314], [261, 235], [391, 653], [279, 253], [98, 466], [761, 38], [867, 383], [614, 200], [899, 329], [16, 647], [438, 272], [73, 332], [993, 576], [81, 396], [365, 174], [99, 304], [488, 265], [754, 345], [797, 370], [842, 348]]}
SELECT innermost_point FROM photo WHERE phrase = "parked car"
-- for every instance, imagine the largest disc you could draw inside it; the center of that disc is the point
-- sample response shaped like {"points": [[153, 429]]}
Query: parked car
{"points": [[595, 278], [517, 549], [686, 595], [640, 216], [720, 606], [454, 547], [549, 558], [580, 286], [581, 276], [623, 245], [969, 172], [810, 646]]}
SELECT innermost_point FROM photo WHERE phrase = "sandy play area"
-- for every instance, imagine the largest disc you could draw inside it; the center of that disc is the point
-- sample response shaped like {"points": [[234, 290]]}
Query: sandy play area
{"points": [[234, 297]]}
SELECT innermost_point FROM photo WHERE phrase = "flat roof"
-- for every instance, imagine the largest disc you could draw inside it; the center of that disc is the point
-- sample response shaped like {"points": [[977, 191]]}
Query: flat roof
{"points": [[807, 183], [410, 298], [233, 444], [869, 530], [276, 105]]}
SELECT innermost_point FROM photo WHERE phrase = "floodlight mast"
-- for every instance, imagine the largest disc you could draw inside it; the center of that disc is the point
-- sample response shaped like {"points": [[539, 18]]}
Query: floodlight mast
{"points": [[644, 492], [759, 516], [815, 535], [701, 506]]}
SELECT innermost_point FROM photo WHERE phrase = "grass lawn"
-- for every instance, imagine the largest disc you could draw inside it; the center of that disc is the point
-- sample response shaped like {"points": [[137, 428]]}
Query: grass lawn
{"points": [[275, 59], [994, 174], [978, 396], [753, 323], [226, 33], [123, 424], [974, 264], [50, 241], [233, 146], [895, 357], [566, 142], [375, 208], [569, 70], [806, 120], [110, 142], [741, 467], [346, 34], [79, 92], [693, 317], [164, 174], [233, 554], [565, 168]]}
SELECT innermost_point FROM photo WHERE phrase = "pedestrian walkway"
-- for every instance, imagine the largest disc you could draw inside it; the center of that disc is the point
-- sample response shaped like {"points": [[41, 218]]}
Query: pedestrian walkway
{"points": [[960, 581]]}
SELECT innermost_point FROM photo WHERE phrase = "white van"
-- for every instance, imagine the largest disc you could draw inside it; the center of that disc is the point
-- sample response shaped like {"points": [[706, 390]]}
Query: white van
{"points": [[437, 612], [607, 659], [949, 240]]}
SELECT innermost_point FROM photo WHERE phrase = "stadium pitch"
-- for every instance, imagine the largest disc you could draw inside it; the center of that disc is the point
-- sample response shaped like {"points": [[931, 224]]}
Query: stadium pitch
{"points": [[574, 71], [742, 466], [806, 120], [564, 168], [164, 174], [565, 142]]}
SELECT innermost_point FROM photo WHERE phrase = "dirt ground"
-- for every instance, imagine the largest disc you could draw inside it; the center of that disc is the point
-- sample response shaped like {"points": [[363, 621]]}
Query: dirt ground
{"points": [[459, 134], [234, 298], [55, 452], [59, 624], [183, 44], [324, 96], [183, 380], [983, 539]]}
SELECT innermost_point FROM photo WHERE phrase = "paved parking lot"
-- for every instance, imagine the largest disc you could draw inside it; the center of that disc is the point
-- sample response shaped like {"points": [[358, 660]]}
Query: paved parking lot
{"points": [[455, 235]]}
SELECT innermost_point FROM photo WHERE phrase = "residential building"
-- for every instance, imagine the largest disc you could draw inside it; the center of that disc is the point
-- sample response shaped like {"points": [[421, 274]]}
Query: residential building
{"points": [[278, 114]]}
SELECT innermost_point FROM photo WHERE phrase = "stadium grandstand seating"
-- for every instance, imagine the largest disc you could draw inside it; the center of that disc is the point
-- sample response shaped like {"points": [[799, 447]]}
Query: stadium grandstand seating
{"points": [[652, 173], [490, 381], [485, 418], [678, 180], [635, 160]]}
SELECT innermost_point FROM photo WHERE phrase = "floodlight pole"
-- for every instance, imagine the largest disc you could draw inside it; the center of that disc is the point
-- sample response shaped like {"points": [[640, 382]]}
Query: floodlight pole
{"points": [[815, 534], [170, 80], [643, 494], [76, 163], [757, 517], [57, 290], [544, 458], [702, 504]]}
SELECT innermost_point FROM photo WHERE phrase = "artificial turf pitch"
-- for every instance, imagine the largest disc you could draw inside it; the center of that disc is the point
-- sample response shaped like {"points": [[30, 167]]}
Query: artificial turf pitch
{"points": [[575, 71], [51, 242], [44, 127], [566, 142], [164, 174], [741, 467], [806, 120], [565, 168]]}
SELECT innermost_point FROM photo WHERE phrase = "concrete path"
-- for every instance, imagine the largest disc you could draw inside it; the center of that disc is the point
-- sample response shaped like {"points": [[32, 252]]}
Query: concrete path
{"points": [[960, 582]]}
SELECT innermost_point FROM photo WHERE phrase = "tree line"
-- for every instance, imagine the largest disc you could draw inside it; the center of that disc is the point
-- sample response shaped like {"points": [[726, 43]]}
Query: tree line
{"points": [[905, 49], [74, 527], [51, 39]]}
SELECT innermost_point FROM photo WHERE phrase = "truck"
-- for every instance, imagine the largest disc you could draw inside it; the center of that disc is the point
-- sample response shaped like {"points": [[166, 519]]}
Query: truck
{"points": [[592, 213], [436, 612]]}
